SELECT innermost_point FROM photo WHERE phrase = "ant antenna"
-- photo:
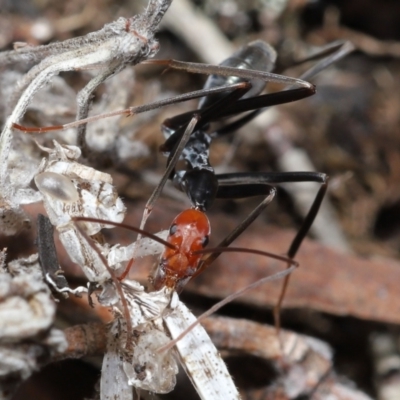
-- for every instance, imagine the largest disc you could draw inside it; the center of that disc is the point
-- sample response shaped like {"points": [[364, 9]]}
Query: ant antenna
{"points": [[227, 300], [126, 314]]}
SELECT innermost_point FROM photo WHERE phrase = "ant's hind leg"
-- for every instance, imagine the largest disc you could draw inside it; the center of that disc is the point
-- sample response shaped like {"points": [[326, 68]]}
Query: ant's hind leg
{"points": [[236, 191], [256, 183], [295, 245]]}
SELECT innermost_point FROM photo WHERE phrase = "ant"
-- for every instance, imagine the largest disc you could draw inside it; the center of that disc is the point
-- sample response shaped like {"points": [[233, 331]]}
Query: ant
{"points": [[187, 137], [233, 88]]}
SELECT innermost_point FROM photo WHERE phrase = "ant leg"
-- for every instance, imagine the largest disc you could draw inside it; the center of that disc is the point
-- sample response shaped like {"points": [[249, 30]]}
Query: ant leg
{"points": [[231, 185], [228, 181], [343, 49], [267, 190], [252, 103], [339, 49], [126, 270], [259, 104], [116, 282], [132, 110], [209, 69], [206, 115], [334, 48], [298, 239], [195, 68], [177, 153]]}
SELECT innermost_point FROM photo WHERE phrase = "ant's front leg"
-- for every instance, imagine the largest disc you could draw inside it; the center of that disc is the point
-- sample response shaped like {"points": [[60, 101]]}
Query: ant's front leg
{"points": [[242, 185]]}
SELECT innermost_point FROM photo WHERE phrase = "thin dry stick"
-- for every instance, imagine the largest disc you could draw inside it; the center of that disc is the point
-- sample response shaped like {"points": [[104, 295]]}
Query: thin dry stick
{"points": [[123, 42]]}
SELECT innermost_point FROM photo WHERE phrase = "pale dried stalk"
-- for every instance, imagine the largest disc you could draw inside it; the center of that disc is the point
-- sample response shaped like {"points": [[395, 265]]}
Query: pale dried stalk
{"points": [[109, 50]]}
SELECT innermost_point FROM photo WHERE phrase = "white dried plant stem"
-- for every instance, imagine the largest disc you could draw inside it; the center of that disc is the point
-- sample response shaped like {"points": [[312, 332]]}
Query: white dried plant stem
{"points": [[57, 64], [114, 382], [108, 50], [71, 189], [199, 357], [146, 366], [98, 54]]}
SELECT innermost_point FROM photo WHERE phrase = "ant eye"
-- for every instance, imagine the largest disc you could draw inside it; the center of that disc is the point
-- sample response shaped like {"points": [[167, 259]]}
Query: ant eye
{"points": [[173, 229], [204, 241]]}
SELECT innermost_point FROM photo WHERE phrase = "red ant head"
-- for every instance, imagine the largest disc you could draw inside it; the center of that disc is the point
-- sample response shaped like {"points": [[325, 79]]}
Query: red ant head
{"points": [[188, 233]]}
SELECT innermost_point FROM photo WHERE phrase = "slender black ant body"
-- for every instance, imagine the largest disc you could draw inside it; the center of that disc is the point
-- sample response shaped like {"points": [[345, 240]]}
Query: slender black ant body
{"points": [[199, 180]]}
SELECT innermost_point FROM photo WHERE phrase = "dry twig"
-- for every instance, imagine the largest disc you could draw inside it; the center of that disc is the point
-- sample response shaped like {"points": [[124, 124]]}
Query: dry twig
{"points": [[109, 50]]}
